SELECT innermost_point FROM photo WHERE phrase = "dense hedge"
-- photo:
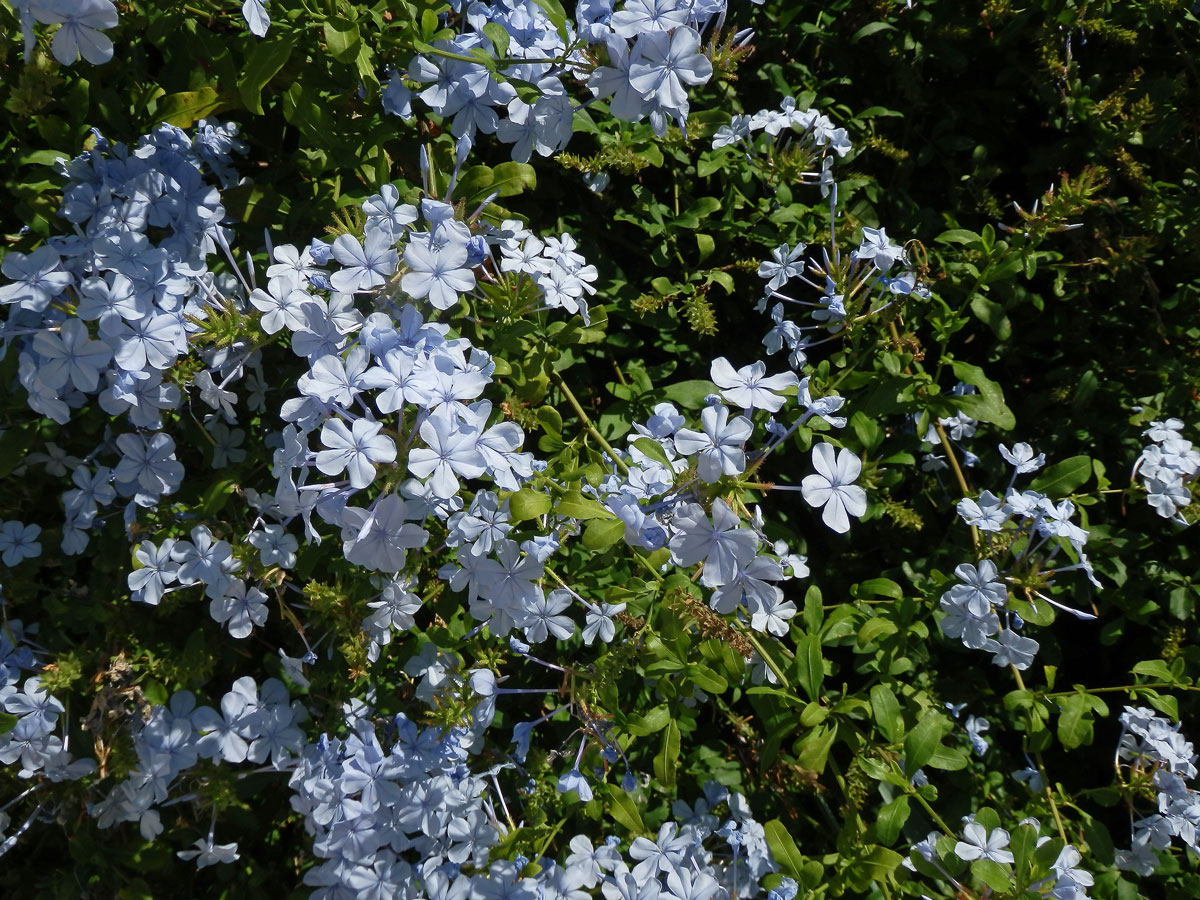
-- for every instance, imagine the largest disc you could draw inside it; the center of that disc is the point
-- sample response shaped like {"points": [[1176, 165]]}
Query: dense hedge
{"points": [[507, 450]]}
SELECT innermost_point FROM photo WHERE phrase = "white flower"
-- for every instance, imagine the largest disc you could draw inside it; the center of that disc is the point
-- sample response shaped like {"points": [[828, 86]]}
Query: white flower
{"points": [[832, 487], [749, 387], [1021, 456], [978, 844], [209, 854]]}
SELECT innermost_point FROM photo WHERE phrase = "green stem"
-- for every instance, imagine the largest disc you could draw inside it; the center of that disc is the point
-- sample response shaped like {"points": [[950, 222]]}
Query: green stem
{"points": [[1041, 767], [587, 423], [767, 659], [649, 566], [929, 810], [958, 472], [461, 57], [1125, 688], [546, 843]]}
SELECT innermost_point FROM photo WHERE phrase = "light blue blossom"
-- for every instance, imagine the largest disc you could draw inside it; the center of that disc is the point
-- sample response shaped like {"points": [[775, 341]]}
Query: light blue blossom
{"points": [[356, 449], [832, 486], [719, 446]]}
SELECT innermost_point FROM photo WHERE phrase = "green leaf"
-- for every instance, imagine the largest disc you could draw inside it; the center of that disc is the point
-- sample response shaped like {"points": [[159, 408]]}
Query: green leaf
{"points": [[812, 714], [994, 875], [474, 183], [785, 696], [1164, 703], [880, 587], [342, 38], [870, 29], [1064, 477], [921, 742], [623, 809], [814, 613], [988, 404], [498, 35], [891, 819], [512, 178], [651, 723], [873, 630], [705, 244], [1024, 842], [690, 394], [48, 158], [948, 759], [783, 848], [958, 236], [600, 534], [7, 722], [887, 712], [267, 59], [711, 161], [809, 665], [814, 749], [652, 449], [880, 863], [529, 504], [1075, 719], [724, 279], [575, 505], [183, 109], [706, 679], [1154, 668], [217, 496], [992, 315], [703, 207], [667, 758]]}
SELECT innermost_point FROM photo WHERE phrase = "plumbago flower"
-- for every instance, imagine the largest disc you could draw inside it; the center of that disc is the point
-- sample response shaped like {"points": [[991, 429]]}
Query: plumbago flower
{"points": [[391, 461], [749, 387], [1168, 467], [979, 843], [719, 445], [832, 487], [1033, 530], [80, 25], [649, 55]]}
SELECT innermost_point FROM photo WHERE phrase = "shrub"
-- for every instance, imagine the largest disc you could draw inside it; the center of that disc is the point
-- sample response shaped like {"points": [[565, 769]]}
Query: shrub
{"points": [[501, 450]]}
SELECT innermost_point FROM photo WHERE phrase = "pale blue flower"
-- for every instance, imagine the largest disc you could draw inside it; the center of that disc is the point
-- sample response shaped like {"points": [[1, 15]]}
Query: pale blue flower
{"points": [[718, 446], [355, 449], [255, 14], [832, 486]]}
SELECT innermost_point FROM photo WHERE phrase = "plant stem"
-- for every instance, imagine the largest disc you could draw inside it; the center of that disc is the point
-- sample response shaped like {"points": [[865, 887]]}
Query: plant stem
{"points": [[767, 659], [1125, 688], [930, 811], [649, 566], [587, 423], [958, 472], [1041, 767]]}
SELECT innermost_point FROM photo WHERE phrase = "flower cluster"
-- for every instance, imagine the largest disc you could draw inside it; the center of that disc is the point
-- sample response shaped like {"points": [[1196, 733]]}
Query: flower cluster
{"points": [[1026, 531], [809, 135], [31, 740], [81, 23], [107, 312], [656, 489], [1155, 752], [1167, 467], [252, 725], [850, 289], [1045, 866], [653, 49]]}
